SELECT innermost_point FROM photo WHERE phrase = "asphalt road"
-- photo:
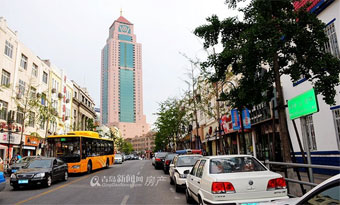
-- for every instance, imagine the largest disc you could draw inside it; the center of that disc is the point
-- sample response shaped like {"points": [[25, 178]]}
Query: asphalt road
{"points": [[133, 182]]}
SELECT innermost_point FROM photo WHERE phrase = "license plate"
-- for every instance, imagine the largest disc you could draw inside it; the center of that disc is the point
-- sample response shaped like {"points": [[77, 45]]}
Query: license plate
{"points": [[23, 181], [14, 170], [249, 204]]}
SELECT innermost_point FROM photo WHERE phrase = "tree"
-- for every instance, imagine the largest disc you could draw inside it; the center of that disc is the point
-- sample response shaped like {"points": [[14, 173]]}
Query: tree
{"points": [[272, 40], [90, 125], [127, 147], [27, 106], [169, 123], [47, 113]]}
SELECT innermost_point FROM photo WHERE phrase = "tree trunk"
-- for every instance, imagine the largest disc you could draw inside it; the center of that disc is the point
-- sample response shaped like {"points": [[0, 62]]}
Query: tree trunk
{"points": [[282, 112], [292, 187], [22, 132]]}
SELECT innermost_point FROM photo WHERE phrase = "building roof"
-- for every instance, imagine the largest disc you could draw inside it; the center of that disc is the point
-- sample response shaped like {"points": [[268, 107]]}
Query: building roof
{"points": [[121, 19]]}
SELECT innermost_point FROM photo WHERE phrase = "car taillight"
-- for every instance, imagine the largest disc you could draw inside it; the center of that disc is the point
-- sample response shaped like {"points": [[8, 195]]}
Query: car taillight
{"points": [[158, 160], [222, 187], [167, 162], [278, 183]]}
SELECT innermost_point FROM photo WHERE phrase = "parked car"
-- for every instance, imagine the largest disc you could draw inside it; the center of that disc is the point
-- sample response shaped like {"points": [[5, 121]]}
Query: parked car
{"points": [[233, 179], [2, 181], [41, 171], [328, 192], [118, 159], [180, 164], [153, 159], [159, 160], [168, 159], [20, 164]]}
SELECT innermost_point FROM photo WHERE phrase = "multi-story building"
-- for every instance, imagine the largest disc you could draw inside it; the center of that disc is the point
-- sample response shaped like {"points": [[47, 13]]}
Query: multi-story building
{"points": [[121, 81], [319, 132], [144, 143], [82, 108], [25, 77]]}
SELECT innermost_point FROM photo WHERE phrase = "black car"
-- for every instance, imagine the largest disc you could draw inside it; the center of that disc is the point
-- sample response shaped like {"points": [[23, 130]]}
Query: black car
{"points": [[21, 163], [168, 159], [41, 171], [159, 160]]}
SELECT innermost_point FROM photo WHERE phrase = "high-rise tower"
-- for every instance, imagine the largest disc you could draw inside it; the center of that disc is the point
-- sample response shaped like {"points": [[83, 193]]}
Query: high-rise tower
{"points": [[121, 81]]}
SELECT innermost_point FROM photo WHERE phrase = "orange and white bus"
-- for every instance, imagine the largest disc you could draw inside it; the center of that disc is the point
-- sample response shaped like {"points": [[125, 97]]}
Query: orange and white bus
{"points": [[83, 151]]}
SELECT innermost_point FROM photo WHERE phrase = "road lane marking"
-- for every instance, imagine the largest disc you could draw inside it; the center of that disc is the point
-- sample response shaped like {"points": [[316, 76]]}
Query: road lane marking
{"points": [[126, 197], [55, 189], [172, 190]]}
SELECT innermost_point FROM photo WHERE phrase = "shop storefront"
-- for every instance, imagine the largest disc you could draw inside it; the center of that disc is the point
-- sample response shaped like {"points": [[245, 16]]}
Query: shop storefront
{"points": [[13, 143], [31, 146]]}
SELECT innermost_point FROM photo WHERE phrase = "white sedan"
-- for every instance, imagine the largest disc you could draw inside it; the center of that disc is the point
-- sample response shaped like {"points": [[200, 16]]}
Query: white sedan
{"points": [[179, 165], [328, 192], [239, 179]]}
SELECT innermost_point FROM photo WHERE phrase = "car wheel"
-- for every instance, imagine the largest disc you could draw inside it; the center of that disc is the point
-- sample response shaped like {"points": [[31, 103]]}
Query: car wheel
{"points": [[171, 181], [107, 163], [177, 188], [65, 176], [189, 199], [15, 187], [48, 182], [89, 167], [200, 201]]}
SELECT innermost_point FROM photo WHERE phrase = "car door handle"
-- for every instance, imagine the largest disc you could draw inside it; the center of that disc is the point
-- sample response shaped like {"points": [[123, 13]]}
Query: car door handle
{"points": [[199, 182], [192, 179]]}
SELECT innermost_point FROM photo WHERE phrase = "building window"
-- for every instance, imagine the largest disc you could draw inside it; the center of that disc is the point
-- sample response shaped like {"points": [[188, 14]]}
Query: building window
{"points": [[5, 78], [332, 45], [20, 116], [43, 99], [9, 49], [44, 77], [308, 129], [22, 86], [23, 62], [42, 124], [75, 94], [336, 116], [3, 110], [35, 70], [31, 119], [33, 93]]}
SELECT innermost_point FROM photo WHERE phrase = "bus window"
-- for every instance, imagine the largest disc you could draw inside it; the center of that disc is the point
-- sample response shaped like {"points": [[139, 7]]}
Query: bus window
{"points": [[67, 149]]}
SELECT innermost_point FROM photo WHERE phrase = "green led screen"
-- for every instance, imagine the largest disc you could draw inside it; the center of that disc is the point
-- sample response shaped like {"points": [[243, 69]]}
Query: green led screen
{"points": [[302, 105]]}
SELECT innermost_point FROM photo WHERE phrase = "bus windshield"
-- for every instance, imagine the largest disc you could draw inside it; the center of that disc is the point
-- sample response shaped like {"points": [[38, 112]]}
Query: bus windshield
{"points": [[65, 148]]}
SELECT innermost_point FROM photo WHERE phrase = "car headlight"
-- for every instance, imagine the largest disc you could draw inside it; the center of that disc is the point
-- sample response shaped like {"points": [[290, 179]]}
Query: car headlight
{"points": [[39, 175], [75, 166], [13, 176], [182, 176]]}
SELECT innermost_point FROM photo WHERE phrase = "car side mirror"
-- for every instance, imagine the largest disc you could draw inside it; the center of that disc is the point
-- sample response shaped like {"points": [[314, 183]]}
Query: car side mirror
{"points": [[186, 172]]}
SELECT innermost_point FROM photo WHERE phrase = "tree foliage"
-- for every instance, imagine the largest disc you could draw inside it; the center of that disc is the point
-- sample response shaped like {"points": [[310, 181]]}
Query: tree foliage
{"points": [[270, 28], [169, 123]]}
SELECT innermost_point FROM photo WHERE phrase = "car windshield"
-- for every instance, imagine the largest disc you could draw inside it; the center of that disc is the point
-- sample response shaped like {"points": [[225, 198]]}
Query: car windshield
{"points": [[235, 164], [161, 154], [187, 161], [171, 156], [40, 163], [65, 148], [118, 156]]}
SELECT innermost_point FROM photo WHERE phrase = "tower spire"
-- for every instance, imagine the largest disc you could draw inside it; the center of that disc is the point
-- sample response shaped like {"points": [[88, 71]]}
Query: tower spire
{"points": [[121, 12]]}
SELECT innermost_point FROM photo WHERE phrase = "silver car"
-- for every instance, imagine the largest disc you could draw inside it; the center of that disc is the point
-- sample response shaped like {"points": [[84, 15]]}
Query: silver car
{"points": [[118, 159]]}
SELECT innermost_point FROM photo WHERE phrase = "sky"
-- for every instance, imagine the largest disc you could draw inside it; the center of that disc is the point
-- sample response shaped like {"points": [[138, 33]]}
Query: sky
{"points": [[71, 33]]}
